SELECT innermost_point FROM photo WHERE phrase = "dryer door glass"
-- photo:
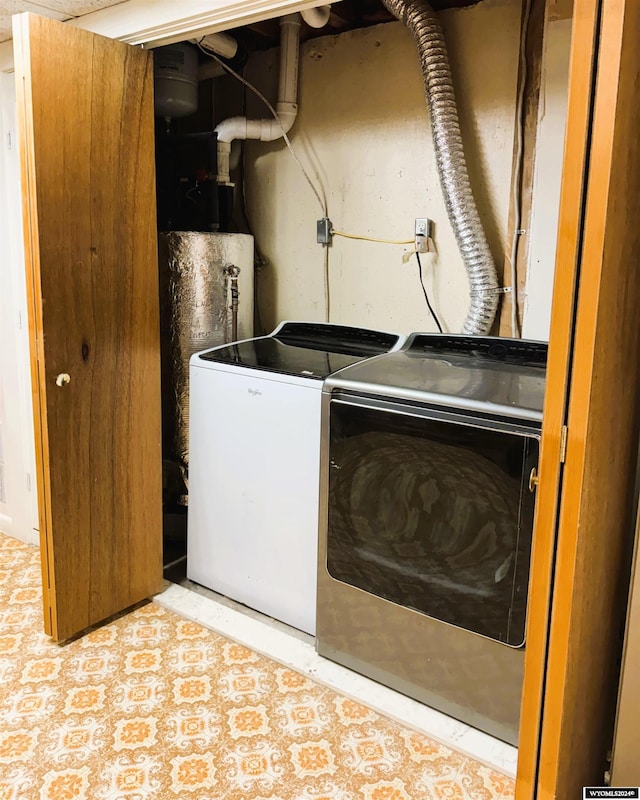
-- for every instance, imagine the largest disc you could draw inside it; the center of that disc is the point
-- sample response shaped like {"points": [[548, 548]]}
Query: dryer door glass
{"points": [[433, 512]]}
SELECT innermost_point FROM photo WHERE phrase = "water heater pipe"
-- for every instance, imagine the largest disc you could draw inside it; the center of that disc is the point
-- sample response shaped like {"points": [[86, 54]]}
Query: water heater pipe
{"points": [[220, 43], [316, 17], [210, 69], [267, 130], [232, 274], [423, 23]]}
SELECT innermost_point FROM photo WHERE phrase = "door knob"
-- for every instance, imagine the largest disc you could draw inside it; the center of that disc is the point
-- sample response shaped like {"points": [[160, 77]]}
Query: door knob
{"points": [[534, 479], [63, 379]]}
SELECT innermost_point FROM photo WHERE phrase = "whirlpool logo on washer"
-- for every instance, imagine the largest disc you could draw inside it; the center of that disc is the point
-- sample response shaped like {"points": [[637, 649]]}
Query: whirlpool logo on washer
{"points": [[254, 392]]}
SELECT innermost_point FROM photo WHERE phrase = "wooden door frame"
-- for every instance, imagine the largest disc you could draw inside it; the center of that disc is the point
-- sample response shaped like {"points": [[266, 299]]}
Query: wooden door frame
{"points": [[33, 291], [585, 506], [562, 321]]}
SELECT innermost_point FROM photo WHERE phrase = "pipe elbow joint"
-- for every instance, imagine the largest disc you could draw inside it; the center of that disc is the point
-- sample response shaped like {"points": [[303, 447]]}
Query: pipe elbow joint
{"points": [[316, 17], [232, 128], [268, 130], [287, 113]]}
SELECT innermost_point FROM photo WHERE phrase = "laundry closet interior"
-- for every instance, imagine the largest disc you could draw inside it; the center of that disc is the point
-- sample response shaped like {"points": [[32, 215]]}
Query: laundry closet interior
{"points": [[310, 280]]}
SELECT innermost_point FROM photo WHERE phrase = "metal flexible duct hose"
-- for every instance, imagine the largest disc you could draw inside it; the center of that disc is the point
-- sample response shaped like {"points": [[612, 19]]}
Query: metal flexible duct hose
{"points": [[423, 23]]}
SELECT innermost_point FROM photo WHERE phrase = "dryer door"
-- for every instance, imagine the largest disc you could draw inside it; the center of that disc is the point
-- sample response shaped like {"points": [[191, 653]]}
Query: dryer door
{"points": [[433, 511]]}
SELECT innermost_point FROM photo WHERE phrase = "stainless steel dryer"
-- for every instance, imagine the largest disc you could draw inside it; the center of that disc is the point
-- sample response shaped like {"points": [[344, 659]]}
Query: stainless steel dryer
{"points": [[428, 463]]}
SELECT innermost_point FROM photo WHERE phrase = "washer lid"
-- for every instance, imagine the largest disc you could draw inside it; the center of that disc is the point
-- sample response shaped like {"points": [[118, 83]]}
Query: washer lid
{"points": [[487, 374], [307, 349]]}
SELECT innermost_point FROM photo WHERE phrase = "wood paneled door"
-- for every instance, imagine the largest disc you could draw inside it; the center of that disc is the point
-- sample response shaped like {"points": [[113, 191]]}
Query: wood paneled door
{"points": [[585, 508], [85, 107]]}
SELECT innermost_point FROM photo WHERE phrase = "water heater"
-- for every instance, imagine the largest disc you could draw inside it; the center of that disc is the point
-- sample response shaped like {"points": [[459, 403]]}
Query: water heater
{"points": [[196, 314]]}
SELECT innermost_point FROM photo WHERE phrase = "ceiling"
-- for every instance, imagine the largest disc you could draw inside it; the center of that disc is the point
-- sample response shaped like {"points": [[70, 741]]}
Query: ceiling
{"points": [[345, 15], [56, 9]]}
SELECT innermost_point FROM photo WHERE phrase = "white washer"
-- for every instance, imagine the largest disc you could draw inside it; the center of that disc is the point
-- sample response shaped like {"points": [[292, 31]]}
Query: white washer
{"points": [[254, 447]]}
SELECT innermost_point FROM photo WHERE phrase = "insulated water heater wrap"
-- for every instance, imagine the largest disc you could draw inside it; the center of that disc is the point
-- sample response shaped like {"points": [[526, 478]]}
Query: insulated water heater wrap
{"points": [[195, 314]]}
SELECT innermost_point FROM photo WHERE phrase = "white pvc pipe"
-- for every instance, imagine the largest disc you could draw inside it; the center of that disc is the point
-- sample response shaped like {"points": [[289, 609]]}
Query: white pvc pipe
{"points": [[267, 130], [289, 47], [220, 43], [316, 17], [210, 69], [264, 130]]}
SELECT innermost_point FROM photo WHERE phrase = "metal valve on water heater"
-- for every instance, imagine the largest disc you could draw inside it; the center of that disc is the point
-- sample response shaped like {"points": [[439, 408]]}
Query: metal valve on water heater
{"points": [[233, 273]]}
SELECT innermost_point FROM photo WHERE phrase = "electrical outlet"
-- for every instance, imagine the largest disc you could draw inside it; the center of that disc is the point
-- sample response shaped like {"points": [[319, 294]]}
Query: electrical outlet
{"points": [[324, 231], [421, 234]]}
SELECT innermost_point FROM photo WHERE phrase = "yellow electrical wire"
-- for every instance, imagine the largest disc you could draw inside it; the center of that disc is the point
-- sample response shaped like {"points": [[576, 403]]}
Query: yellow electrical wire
{"points": [[371, 238]]}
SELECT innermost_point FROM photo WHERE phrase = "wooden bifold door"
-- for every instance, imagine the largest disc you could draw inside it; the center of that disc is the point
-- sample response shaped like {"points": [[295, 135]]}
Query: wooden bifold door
{"points": [[85, 109]]}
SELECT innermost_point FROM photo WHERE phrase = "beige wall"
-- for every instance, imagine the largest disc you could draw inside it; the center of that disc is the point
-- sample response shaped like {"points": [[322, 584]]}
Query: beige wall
{"points": [[547, 178], [18, 499], [363, 126]]}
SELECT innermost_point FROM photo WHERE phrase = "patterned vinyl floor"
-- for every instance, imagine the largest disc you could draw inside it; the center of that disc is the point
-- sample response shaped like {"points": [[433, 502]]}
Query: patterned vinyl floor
{"points": [[155, 706]]}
